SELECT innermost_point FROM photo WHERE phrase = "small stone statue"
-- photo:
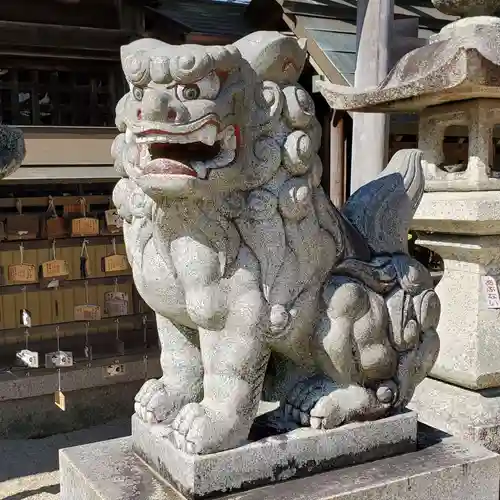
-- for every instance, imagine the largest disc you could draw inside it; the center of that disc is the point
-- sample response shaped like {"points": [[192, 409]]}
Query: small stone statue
{"points": [[262, 289], [12, 150]]}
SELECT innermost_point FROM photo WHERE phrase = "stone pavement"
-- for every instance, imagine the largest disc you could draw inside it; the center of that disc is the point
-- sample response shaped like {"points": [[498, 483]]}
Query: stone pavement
{"points": [[29, 468]]}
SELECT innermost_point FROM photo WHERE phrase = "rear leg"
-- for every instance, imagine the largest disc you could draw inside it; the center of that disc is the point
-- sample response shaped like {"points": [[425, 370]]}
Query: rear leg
{"points": [[321, 404]]}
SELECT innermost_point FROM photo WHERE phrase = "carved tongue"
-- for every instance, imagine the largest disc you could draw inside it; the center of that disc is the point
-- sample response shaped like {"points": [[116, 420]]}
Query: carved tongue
{"points": [[168, 167]]}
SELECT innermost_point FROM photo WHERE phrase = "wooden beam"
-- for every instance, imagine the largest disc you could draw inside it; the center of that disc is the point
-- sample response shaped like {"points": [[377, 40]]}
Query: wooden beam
{"points": [[66, 174], [320, 59], [59, 201], [10, 246], [18, 385], [77, 328], [17, 34], [65, 285], [333, 10], [204, 39]]}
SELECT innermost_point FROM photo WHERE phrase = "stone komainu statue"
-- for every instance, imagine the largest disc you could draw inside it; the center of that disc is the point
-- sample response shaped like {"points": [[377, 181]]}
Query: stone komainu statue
{"points": [[12, 150], [262, 289]]}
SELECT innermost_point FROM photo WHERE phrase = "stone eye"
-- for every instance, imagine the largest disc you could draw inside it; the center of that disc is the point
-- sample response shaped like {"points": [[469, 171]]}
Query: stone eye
{"points": [[190, 92], [205, 88], [138, 93]]}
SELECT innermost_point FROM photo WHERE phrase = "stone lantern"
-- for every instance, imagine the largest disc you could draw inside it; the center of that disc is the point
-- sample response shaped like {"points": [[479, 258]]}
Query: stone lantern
{"points": [[453, 81]]}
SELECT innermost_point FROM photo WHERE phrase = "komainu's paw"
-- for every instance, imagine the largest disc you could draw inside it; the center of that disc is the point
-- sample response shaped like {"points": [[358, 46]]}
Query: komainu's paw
{"points": [[304, 396], [199, 429], [319, 403], [155, 403], [344, 405]]}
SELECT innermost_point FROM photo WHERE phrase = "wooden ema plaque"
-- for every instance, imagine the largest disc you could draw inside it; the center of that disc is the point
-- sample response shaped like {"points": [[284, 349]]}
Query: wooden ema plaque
{"points": [[87, 312], [22, 273], [85, 226], [60, 400], [114, 263], [56, 227], [53, 271], [72, 209], [22, 227], [115, 304]]}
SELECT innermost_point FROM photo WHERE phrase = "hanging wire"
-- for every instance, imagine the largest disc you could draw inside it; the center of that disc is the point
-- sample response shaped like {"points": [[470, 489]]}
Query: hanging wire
{"points": [[145, 330], [25, 297], [145, 359], [85, 252], [83, 206], [88, 348], [51, 208], [58, 339], [87, 327]]}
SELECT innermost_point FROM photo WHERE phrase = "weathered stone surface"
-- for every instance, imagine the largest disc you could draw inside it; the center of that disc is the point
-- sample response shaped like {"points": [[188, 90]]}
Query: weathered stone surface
{"points": [[479, 116], [461, 63], [298, 453], [236, 247], [475, 213], [464, 229], [470, 415], [12, 150], [468, 328], [444, 468]]}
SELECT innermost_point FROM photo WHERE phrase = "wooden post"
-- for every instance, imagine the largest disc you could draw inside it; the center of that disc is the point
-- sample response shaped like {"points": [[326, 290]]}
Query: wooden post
{"points": [[337, 154], [371, 130]]}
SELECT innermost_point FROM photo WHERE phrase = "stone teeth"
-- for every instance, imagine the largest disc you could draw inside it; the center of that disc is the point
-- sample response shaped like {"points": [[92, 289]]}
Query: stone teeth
{"points": [[207, 134], [200, 168], [145, 155], [229, 141], [129, 136]]}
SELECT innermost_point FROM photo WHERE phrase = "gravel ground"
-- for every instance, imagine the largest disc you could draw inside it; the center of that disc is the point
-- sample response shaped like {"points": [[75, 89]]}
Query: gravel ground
{"points": [[29, 468]]}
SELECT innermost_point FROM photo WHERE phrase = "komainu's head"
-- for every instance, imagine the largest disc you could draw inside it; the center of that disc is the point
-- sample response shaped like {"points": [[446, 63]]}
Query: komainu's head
{"points": [[198, 121]]}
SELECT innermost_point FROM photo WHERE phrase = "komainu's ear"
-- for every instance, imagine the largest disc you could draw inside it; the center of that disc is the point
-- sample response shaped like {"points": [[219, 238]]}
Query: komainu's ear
{"points": [[274, 56]]}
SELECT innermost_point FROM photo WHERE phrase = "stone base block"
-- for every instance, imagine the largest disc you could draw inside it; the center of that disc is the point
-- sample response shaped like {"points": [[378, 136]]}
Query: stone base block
{"points": [[443, 468], [297, 453], [467, 414]]}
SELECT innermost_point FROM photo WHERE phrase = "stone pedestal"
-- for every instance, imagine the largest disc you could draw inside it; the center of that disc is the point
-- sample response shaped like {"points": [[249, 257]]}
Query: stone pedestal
{"points": [[464, 229], [443, 467], [301, 452]]}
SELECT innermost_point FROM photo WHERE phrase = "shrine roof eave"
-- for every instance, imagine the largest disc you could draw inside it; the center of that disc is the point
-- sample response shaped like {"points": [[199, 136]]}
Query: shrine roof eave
{"points": [[435, 74]]}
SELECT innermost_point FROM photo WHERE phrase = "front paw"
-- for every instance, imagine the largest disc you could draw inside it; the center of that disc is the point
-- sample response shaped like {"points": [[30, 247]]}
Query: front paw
{"points": [[199, 429], [155, 403]]}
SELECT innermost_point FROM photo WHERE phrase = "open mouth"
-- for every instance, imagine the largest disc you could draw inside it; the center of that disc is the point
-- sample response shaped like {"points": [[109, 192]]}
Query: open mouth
{"points": [[163, 153]]}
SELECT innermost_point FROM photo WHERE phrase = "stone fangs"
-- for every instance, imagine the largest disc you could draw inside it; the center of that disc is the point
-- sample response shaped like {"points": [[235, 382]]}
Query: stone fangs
{"points": [[226, 155], [207, 135]]}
